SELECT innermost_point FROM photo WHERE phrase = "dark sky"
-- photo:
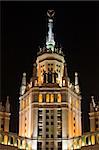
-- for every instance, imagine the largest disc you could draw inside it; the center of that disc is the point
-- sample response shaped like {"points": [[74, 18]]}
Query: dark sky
{"points": [[24, 28]]}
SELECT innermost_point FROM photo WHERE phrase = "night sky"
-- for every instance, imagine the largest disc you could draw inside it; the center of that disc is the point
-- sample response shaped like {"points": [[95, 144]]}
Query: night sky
{"points": [[24, 29]]}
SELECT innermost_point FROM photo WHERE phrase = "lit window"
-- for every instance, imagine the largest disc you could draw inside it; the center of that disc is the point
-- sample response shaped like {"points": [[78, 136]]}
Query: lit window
{"points": [[40, 98], [63, 82], [52, 98], [59, 98], [77, 104], [47, 98]]}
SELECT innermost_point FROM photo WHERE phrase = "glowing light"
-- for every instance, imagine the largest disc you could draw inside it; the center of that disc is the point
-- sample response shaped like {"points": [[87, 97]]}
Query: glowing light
{"points": [[47, 98], [59, 98], [40, 98], [52, 98]]}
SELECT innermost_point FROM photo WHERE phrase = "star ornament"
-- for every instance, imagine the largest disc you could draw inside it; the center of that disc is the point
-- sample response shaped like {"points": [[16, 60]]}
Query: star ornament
{"points": [[50, 13]]}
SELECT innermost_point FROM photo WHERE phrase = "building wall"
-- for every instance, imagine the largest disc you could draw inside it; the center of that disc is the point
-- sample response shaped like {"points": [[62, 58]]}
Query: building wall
{"points": [[91, 147]]}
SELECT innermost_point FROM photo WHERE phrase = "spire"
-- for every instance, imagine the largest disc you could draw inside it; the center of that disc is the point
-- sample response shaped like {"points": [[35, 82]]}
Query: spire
{"points": [[76, 83], [65, 71], [7, 105], [93, 102], [23, 85], [50, 43], [65, 76]]}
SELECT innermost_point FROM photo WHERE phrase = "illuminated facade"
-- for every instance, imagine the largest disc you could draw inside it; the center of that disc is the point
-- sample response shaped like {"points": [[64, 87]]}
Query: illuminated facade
{"points": [[50, 106], [94, 116], [5, 116]]}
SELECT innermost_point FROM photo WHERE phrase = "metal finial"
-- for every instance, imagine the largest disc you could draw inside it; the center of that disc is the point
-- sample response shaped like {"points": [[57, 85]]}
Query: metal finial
{"points": [[50, 13]]}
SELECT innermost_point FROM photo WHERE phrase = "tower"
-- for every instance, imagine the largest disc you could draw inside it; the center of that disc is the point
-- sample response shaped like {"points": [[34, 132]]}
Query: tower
{"points": [[50, 106], [94, 115], [5, 116]]}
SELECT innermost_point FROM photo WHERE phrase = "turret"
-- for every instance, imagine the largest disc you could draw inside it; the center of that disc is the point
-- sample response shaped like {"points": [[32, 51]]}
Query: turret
{"points": [[76, 83], [23, 85], [5, 116], [65, 76], [7, 105], [94, 115]]}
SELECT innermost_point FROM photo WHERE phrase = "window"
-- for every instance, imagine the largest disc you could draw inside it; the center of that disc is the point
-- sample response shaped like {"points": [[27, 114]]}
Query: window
{"points": [[47, 111], [52, 98], [39, 145], [51, 69], [52, 111], [97, 126], [47, 143], [40, 111], [40, 117], [2, 126], [47, 136], [55, 98], [11, 140], [47, 98], [43, 98], [59, 111], [40, 98], [59, 136], [35, 98], [63, 97], [47, 117], [51, 135], [52, 123], [40, 129], [59, 145], [59, 98], [47, 129], [52, 117], [47, 123]]}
